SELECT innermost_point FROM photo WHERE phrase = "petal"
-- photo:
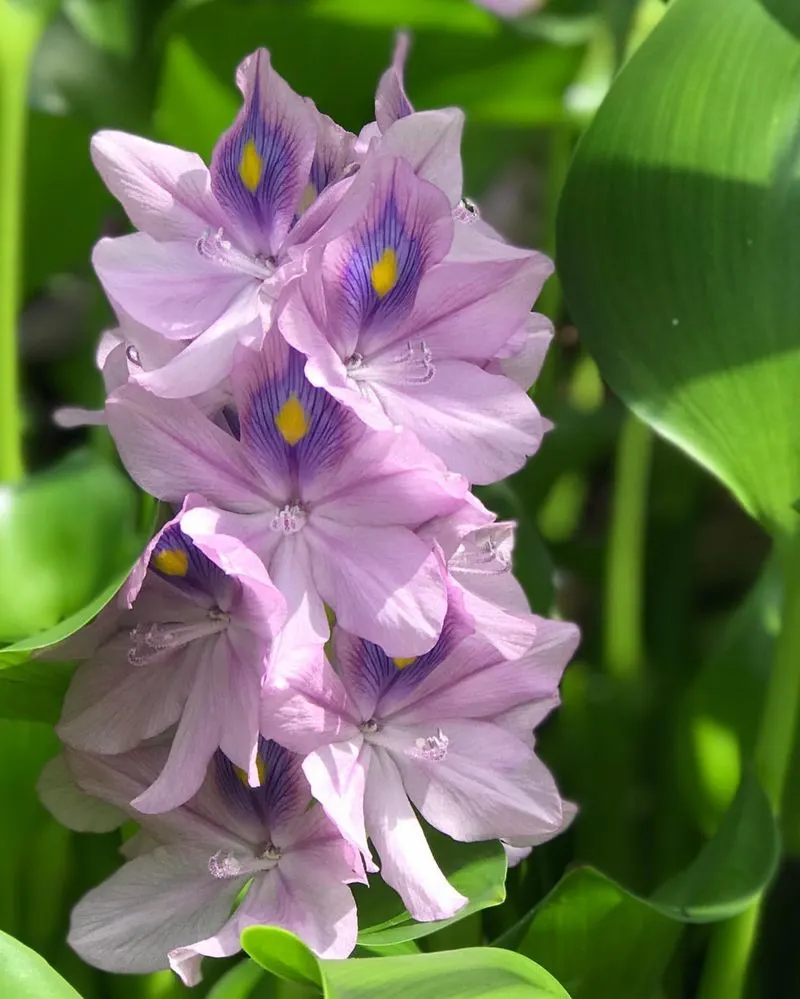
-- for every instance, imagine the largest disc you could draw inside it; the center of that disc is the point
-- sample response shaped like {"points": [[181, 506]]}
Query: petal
{"points": [[112, 706], [333, 152], [262, 164], [431, 142], [207, 360], [292, 431], [337, 774], [170, 448], [488, 786], [308, 707], [470, 310], [393, 228], [74, 809], [484, 426], [376, 681], [153, 904], [197, 736], [383, 583], [391, 100], [407, 863], [165, 191], [169, 287], [523, 354]]}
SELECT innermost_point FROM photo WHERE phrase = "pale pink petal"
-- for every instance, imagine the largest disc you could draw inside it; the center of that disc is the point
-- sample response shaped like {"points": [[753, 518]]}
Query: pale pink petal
{"points": [[337, 774], [73, 808], [488, 785], [155, 903], [169, 287], [407, 863], [523, 354], [197, 737], [483, 426], [170, 448], [165, 191], [383, 583], [431, 142]]}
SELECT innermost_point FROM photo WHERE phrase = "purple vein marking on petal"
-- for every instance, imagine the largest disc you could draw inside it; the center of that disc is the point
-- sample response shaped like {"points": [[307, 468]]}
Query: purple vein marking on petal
{"points": [[282, 793], [365, 307], [254, 168], [176, 559], [308, 437], [378, 674]]}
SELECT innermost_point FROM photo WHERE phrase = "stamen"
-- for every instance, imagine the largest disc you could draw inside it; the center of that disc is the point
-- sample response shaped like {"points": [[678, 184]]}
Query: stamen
{"points": [[150, 640], [224, 865], [133, 355], [291, 519], [271, 853], [214, 246], [434, 747], [417, 360], [354, 363], [369, 727], [466, 211]]}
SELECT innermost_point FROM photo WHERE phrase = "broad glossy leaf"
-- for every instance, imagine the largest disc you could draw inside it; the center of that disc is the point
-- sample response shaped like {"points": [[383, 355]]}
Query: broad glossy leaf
{"points": [[678, 249], [733, 868], [240, 982], [598, 939], [63, 535], [472, 972], [601, 940], [26, 975], [477, 870]]}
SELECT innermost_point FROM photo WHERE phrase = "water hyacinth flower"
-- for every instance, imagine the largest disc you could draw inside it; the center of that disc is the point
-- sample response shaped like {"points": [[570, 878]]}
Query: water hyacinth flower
{"points": [[330, 506], [448, 732], [190, 648], [231, 857], [399, 319], [214, 244]]}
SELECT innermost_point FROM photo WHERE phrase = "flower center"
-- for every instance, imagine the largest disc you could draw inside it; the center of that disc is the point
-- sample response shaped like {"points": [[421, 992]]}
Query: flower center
{"points": [[369, 727], [214, 246], [151, 640], [290, 519], [433, 747]]}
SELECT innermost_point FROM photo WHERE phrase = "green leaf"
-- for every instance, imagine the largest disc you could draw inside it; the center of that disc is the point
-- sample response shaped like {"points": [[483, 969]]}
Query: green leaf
{"points": [[472, 972], [25, 975], [239, 982], [733, 868], [599, 939], [63, 534], [678, 249], [477, 870]]}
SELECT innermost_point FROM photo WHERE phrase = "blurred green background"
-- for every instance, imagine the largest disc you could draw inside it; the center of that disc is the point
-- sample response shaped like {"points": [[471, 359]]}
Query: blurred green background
{"points": [[667, 577]]}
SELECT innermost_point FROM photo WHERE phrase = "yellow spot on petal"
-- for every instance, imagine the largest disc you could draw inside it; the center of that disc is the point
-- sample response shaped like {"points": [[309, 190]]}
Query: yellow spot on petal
{"points": [[384, 273], [402, 663], [172, 562], [307, 198], [261, 770], [250, 166], [291, 420]]}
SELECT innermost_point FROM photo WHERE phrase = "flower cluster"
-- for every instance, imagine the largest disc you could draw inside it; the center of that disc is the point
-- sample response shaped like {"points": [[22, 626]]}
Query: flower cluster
{"points": [[320, 348]]}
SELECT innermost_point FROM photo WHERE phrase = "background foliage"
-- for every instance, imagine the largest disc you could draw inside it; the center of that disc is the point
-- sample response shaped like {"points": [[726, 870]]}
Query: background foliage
{"points": [[679, 253]]}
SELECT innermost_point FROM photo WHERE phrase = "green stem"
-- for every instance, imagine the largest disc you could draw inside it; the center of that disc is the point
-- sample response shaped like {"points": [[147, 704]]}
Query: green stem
{"points": [[624, 583], [733, 943], [20, 27]]}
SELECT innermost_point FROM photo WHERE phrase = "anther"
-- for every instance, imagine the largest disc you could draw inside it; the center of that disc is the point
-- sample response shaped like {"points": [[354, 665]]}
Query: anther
{"points": [[369, 727], [133, 355], [434, 747], [289, 520]]}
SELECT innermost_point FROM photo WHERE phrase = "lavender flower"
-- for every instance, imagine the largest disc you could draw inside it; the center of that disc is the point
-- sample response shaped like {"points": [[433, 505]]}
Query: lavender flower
{"points": [[231, 857], [190, 649], [448, 731]]}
